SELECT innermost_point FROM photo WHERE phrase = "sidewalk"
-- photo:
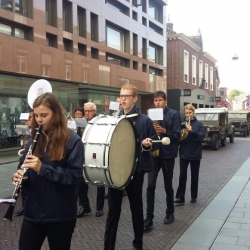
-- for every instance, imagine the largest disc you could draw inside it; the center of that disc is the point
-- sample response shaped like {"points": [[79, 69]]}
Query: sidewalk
{"points": [[225, 223], [9, 155]]}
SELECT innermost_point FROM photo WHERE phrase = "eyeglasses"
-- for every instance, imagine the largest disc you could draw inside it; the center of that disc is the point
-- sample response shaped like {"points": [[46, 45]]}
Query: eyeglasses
{"points": [[88, 111], [126, 96]]}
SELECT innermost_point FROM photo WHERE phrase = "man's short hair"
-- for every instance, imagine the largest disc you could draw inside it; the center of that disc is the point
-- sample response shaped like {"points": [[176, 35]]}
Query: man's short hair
{"points": [[129, 86], [88, 104], [160, 94]]}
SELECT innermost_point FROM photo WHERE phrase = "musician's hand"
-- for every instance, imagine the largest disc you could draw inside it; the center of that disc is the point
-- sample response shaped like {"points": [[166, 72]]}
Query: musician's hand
{"points": [[160, 129], [18, 176], [189, 127], [33, 162], [147, 142]]}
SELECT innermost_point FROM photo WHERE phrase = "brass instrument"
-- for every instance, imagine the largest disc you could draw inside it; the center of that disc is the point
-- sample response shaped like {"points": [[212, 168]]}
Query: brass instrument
{"points": [[184, 131], [9, 214], [156, 153]]}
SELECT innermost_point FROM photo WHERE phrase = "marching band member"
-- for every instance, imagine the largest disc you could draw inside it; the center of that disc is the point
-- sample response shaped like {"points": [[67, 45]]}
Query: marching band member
{"points": [[169, 127], [190, 152], [53, 176], [145, 132], [90, 113]]}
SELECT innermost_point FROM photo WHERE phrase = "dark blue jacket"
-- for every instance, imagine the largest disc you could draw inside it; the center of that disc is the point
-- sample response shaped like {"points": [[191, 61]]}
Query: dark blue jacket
{"points": [[145, 129], [191, 147], [53, 193], [172, 123]]}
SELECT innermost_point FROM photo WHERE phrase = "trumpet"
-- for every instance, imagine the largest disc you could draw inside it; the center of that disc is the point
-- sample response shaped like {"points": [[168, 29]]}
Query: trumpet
{"points": [[184, 131], [156, 153], [12, 202]]}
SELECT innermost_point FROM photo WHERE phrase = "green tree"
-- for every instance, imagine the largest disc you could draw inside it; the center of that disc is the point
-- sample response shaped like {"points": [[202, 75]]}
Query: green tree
{"points": [[234, 92]]}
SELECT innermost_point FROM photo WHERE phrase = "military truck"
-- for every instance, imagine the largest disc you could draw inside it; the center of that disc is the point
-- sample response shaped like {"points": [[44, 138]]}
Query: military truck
{"points": [[241, 121], [217, 128]]}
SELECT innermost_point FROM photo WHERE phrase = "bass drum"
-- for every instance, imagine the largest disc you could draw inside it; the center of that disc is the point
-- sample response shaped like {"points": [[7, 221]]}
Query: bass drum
{"points": [[110, 149]]}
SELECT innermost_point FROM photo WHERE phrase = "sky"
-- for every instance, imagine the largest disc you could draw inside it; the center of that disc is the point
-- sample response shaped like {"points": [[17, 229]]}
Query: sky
{"points": [[225, 29]]}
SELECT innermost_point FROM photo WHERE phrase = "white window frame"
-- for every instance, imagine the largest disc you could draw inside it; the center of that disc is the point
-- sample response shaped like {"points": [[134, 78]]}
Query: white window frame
{"points": [[206, 76], [211, 78], [193, 70], [200, 71], [186, 66]]}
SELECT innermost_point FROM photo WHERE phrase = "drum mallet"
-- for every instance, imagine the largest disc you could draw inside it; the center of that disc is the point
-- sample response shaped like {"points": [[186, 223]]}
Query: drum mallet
{"points": [[164, 141]]}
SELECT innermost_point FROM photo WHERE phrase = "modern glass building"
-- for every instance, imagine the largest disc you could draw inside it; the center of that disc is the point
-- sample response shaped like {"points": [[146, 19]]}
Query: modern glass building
{"points": [[86, 49]]}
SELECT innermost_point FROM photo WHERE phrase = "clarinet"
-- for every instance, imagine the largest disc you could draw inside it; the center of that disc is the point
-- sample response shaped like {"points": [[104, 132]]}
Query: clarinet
{"points": [[9, 214]]}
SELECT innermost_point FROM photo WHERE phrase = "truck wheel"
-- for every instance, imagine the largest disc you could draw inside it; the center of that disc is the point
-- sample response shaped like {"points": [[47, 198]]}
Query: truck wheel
{"points": [[231, 138], [245, 132], [223, 142], [215, 142]]}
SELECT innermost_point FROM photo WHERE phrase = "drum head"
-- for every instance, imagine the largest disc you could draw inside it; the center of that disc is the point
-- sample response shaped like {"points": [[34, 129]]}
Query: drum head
{"points": [[122, 153]]}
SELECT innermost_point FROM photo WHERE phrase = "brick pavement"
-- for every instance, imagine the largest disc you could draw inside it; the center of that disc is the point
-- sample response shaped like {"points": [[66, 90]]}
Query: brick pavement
{"points": [[217, 168]]}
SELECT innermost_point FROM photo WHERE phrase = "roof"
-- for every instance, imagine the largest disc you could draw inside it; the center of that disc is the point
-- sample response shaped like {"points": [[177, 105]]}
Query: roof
{"points": [[239, 111], [211, 110]]}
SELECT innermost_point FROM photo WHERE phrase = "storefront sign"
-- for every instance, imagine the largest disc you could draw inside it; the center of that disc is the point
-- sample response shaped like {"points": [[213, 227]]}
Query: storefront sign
{"points": [[186, 92], [201, 97], [217, 99]]}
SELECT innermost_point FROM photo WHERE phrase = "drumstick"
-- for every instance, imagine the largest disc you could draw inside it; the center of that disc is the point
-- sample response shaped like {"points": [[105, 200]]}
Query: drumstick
{"points": [[164, 141]]}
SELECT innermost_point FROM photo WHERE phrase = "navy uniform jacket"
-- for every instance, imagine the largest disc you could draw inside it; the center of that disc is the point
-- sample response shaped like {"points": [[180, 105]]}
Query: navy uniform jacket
{"points": [[172, 123], [145, 129], [191, 147], [53, 193]]}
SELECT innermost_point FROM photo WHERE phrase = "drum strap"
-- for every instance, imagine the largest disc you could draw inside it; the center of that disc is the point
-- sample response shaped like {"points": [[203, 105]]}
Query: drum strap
{"points": [[128, 116]]}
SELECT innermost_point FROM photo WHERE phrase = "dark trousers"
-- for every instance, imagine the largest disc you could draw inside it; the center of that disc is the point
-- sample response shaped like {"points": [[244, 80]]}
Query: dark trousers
{"points": [[167, 166], [59, 235], [194, 166], [83, 196], [134, 191]]}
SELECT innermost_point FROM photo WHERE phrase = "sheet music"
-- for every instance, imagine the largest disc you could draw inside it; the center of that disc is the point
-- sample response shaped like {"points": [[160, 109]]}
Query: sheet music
{"points": [[114, 106], [72, 124], [24, 116], [155, 114], [81, 122], [8, 201]]}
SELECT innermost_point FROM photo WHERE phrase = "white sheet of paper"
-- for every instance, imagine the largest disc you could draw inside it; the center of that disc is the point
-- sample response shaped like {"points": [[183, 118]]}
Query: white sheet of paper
{"points": [[114, 106], [24, 116], [8, 201], [155, 114], [72, 124], [22, 129], [81, 122]]}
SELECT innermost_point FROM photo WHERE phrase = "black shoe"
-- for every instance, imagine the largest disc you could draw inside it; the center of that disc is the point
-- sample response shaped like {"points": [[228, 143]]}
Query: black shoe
{"points": [[83, 211], [179, 201], [106, 196], [20, 211], [193, 200], [99, 213], [148, 223], [169, 218]]}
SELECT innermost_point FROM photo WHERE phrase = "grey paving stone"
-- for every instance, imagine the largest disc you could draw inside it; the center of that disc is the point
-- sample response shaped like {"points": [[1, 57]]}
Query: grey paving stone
{"points": [[245, 227], [234, 232], [232, 225], [227, 239], [221, 246], [244, 241], [179, 246]]}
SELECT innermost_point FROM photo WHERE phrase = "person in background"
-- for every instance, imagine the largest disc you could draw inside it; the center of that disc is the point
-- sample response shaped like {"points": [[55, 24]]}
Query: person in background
{"points": [[53, 175], [190, 152], [145, 134], [79, 113], [165, 160], [90, 113], [24, 142]]}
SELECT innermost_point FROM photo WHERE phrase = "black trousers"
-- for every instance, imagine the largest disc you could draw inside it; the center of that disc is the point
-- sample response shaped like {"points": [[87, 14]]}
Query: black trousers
{"points": [[167, 166], [134, 191], [83, 196], [59, 235], [195, 167]]}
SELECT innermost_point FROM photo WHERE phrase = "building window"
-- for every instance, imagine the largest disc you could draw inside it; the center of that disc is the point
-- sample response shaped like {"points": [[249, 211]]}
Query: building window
{"points": [[22, 7], [193, 70], [155, 53], [115, 39], [94, 27], [134, 15], [221, 92], [135, 45], [23, 32], [51, 40], [155, 71], [81, 21], [67, 72], [155, 12], [200, 71], [117, 60], [67, 16], [118, 6], [211, 78], [186, 66], [155, 28], [82, 49], [144, 48], [94, 53], [51, 9], [67, 45], [206, 76], [144, 21]]}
